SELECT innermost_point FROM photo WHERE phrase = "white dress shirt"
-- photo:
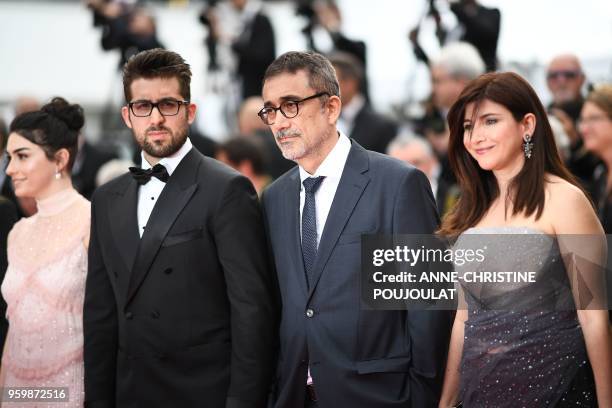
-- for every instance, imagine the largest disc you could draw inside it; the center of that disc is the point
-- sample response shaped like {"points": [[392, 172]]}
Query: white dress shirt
{"points": [[149, 193], [331, 168]]}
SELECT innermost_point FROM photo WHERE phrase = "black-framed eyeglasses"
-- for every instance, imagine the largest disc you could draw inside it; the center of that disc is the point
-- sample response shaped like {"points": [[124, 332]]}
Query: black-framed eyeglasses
{"points": [[289, 109], [166, 107]]}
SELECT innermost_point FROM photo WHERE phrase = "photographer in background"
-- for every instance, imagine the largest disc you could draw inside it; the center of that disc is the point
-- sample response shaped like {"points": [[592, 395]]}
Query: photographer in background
{"points": [[323, 33], [477, 25], [240, 40], [125, 26]]}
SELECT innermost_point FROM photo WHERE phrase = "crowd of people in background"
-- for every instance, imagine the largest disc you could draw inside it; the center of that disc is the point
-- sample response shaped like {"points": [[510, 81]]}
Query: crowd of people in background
{"points": [[572, 158], [240, 43]]}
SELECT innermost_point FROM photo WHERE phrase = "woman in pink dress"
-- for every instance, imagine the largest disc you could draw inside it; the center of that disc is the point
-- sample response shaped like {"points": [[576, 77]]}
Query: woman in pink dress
{"points": [[47, 261]]}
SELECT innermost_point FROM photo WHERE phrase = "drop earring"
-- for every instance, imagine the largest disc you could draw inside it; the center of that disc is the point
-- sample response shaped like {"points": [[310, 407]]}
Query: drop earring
{"points": [[58, 175], [527, 146]]}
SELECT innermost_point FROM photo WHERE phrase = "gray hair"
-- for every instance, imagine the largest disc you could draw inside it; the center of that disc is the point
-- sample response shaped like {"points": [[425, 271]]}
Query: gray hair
{"points": [[321, 73], [461, 60], [403, 140]]}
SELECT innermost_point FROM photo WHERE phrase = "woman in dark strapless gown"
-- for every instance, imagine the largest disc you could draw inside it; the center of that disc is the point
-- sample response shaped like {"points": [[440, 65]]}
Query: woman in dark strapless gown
{"points": [[537, 343], [523, 345]]}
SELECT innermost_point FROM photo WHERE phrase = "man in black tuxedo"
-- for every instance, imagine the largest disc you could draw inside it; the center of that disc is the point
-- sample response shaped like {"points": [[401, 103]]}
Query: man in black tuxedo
{"points": [[334, 353], [179, 303]]}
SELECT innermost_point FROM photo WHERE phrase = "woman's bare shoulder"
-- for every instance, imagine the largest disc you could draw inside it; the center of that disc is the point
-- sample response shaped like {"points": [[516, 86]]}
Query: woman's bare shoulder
{"points": [[569, 209]]}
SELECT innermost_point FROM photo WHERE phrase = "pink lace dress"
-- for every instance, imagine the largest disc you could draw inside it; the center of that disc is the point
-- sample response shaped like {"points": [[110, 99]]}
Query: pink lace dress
{"points": [[44, 289]]}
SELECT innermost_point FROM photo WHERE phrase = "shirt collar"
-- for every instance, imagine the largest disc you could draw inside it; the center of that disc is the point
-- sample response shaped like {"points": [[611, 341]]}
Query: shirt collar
{"points": [[351, 109], [170, 162], [333, 164]]}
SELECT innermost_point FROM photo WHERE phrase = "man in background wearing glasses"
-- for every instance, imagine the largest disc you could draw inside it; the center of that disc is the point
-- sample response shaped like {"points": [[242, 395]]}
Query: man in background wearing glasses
{"points": [[179, 306], [565, 79], [334, 354]]}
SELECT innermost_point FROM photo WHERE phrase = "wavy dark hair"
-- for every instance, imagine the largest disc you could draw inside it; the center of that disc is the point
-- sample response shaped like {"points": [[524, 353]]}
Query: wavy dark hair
{"points": [[479, 187], [55, 126]]}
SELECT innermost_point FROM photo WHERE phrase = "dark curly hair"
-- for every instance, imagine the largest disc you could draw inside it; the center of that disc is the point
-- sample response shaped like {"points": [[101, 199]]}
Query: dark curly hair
{"points": [[55, 126]]}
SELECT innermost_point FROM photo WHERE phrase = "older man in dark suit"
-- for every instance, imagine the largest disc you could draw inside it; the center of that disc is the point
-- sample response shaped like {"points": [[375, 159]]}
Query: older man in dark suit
{"points": [[179, 305], [334, 353]]}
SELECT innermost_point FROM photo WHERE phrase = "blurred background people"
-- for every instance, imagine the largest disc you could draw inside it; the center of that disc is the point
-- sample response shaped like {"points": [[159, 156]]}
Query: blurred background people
{"points": [[111, 170], [246, 156], [88, 161], [125, 27], [323, 30], [324, 34], [5, 182], [416, 151], [26, 103], [477, 25], [251, 126], [47, 254], [8, 217], [455, 66], [357, 119], [561, 138], [565, 80], [241, 44], [596, 129]]}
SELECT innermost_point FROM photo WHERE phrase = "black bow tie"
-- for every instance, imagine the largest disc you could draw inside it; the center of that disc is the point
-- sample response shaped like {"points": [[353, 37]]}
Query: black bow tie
{"points": [[143, 176]]}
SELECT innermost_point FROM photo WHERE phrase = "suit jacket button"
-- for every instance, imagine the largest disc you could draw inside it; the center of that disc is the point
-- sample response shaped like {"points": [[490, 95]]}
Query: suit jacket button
{"points": [[129, 315], [309, 313], [155, 314], [168, 271]]}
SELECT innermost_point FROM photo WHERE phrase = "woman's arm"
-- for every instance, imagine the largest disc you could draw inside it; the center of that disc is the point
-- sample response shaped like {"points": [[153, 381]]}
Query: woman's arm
{"points": [[450, 389], [596, 331], [581, 236]]}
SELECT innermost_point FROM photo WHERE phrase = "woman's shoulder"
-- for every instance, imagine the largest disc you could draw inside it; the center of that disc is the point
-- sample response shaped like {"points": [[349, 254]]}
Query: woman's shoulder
{"points": [[568, 208], [560, 192]]}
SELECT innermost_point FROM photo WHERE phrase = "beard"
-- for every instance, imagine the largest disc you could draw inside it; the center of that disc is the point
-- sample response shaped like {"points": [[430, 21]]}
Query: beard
{"points": [[294, 148], [164, 148]]}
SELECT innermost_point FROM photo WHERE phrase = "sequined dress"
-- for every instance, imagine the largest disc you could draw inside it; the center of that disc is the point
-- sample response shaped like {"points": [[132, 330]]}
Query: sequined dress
{"points": [[44, 289], [523, 345]]}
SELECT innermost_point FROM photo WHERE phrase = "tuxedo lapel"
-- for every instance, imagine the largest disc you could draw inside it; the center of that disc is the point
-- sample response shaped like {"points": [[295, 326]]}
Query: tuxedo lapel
{"points": [[176, 194], [122, 215], [292, 213], [352, 184]]}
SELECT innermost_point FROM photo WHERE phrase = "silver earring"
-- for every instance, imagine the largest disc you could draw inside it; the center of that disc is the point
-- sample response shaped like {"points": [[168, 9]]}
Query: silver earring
{"points": [[527, 146], [58, 175]]}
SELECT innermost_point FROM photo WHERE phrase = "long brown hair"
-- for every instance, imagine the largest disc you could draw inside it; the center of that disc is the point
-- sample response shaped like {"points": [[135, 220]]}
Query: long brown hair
{"points": [[479, 187]]}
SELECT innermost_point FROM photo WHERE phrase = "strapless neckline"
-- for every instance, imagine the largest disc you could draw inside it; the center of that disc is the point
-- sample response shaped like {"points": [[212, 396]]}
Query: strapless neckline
{"points": [[507, 229]]}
